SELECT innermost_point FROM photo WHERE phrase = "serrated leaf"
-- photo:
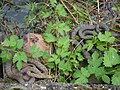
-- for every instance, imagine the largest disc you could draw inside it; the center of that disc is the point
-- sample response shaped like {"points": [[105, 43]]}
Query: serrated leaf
{"points": [[6, 42], [51, 65], [60, 10], [19, 65], [16, 57], [96, 61], [49, 27], [100, 47], [37, 54], [77, 74], [79, 57], [116, 78], [62, 27], [95, 55], [8, 56], [91, 69], [85, 72], [46, 14], [57, 61], [68, 66], [13, 40], [111, 57], [62, 79], [106, 79], [61, 65], [23, 56], [63, 42], [106, 37], [3, 54], [13, 37], [64, 54], [49, 37], [99, 72], [81, 80], [20, 44], [51, 60], [90, 47]]}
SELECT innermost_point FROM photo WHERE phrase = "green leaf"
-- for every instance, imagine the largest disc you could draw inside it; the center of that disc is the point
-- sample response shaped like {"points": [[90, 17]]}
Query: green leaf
{"points": [[78, 49], [8, 56], [116, 78], [85, 72], [91, 69], [57, 61], [63, 42], [106, 79], [46, 14], [106, 37], [20, 44], [13, 40], [33, 49], [79, 57], [61, 27], [13, 37], [3, 54], [16, 57], [51, 65], [81, 80], [99, 72], [111, 57], [23, 56], [100, 47], [90, 46], [68, 66], [6, 42], [19, 65], [62, 79], [96, 61], [60, 10], [49, 37], [37, 54], [53, 1], [53, 58], [61, 65], [64, 54], [49, 27], [77, 74]]}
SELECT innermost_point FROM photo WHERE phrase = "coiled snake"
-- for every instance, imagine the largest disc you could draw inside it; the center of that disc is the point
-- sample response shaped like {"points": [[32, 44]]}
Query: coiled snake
{"points": [[30, 71], [86, 32]]}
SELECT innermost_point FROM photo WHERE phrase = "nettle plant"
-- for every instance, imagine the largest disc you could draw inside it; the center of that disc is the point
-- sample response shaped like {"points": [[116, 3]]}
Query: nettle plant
{"points": [[69, 65], [12, 49]]}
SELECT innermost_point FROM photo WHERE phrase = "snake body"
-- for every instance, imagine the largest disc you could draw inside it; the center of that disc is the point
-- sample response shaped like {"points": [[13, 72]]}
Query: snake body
{"points": [[28, 74]]}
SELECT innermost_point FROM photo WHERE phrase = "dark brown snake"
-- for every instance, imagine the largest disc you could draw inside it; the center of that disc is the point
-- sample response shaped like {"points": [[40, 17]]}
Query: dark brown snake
{"points": [[85, 32], [32, 70]]}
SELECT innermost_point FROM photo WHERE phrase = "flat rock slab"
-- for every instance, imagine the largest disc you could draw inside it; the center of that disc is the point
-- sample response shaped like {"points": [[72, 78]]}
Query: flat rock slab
{"points": [[43, 85]]}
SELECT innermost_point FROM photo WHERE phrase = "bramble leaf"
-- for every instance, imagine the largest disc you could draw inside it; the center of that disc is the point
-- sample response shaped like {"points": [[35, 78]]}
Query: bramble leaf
{"points": [[20, 44], [116, 78], [106, 37], [77, 74], [111, 57], [23, 56], [19, 65], [49, 37], [81, 80], [106, 79], [6, 42], [60, 10]]}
